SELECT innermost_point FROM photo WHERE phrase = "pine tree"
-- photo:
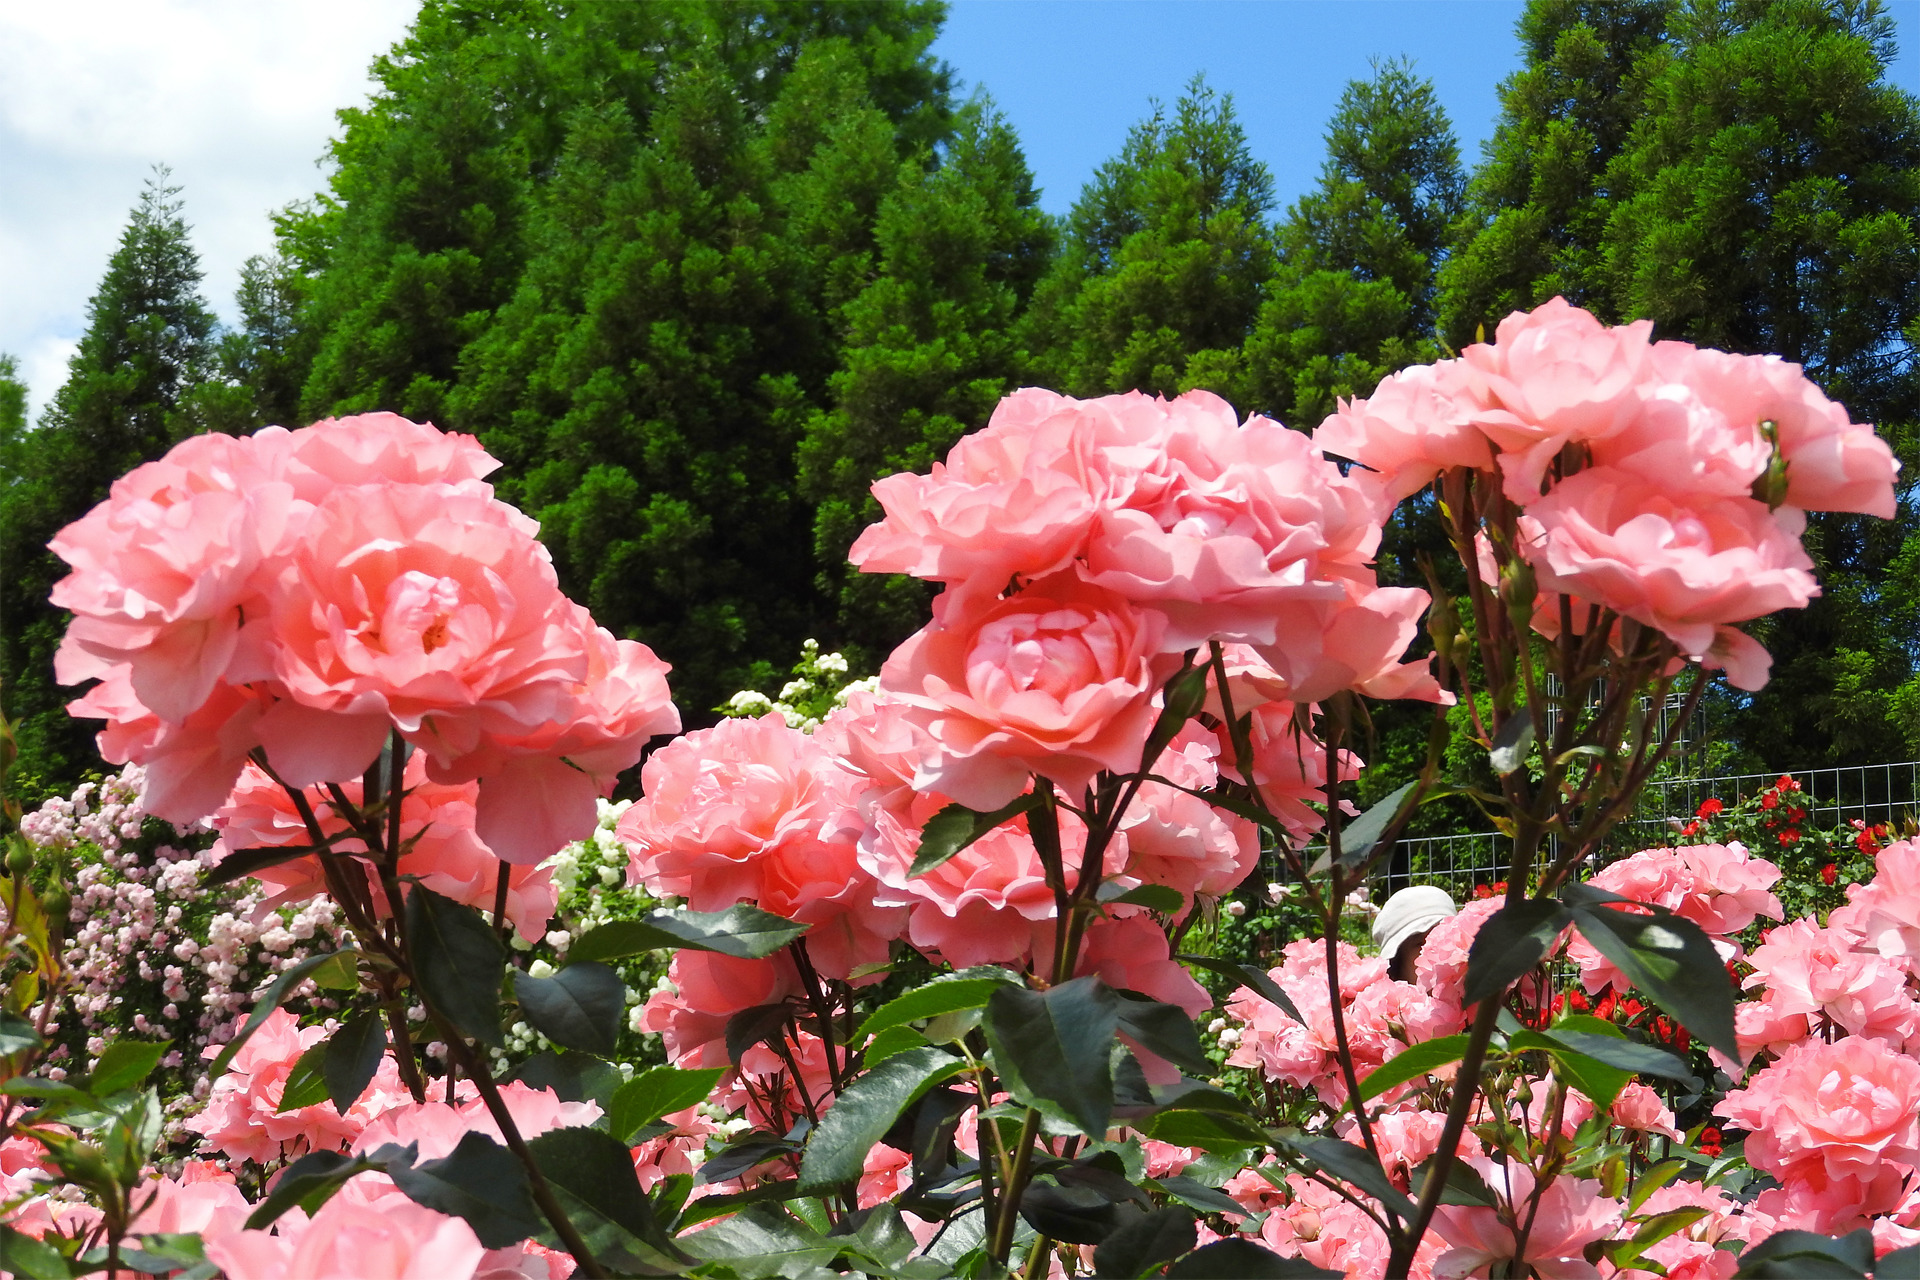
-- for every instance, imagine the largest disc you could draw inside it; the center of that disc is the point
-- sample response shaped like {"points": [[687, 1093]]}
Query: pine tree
{"points": [[1538, 202], [13, 418], [1354, 297], [1164, 259], [928, 350], [1769, 201], [130, 394]]}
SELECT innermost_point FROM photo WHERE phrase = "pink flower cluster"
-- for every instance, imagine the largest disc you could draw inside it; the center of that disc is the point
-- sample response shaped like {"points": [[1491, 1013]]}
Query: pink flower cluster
{"points": [[1720, 887], [1695, 469], [1085, 545], [311, 592]]}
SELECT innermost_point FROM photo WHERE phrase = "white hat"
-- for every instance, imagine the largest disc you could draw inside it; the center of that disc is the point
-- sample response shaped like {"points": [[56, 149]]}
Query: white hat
{"points": [[1408, 912]]}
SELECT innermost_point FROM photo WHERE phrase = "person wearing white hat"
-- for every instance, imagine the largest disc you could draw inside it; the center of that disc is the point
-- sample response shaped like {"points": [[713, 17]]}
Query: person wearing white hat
{"points": [[1403, 924]]}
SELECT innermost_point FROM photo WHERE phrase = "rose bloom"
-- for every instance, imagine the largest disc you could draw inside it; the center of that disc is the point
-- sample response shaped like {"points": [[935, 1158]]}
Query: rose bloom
{"points": [[1686, 568], [1441, 966], [1814, 971], [1824, 1112], [1884, 914], [1571, 1215], [744, 812], [1176, 839], [1057, 679], [392, 1239], [1417, 423], [436, 829]]}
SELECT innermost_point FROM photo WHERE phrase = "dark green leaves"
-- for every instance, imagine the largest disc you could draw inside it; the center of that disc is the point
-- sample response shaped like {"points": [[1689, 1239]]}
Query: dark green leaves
{"points": [[1511, 941], [480, 1181], [16, 1034], [1052, 1049], [743, 931], [838, 1147], [656, 1092], [1144, 1242], [1259, 980], [931, 1001], [306, 1082], [1164, 1029], [1411, 1063], [581, 1007], [308, 1181], [1665, 955], [353, 1055], [124, 1065], [956, 826], [1358, 837], [459, 962], [1350, 1164], [22, 1255], [1243, 1260], [591, 1174], [1790, 1255]]}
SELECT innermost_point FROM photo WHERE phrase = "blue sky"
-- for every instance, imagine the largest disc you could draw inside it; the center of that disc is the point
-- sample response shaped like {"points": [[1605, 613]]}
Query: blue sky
{"points": [[238, 97], [1074, 75]]}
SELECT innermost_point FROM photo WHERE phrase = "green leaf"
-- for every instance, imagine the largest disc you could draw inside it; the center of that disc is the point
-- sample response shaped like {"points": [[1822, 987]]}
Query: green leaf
{"points": [[459, 962], [1352, 1164], [125, 1064], [1411, 1063], [581, 1007], [930, 1001], [1616, 1050], [1667, 956], [956, 826], [1790, 1254], [1142, 1244], [308, 1181], [1181, 699], [1208, 1130], [306, 1083], [576, 1077], [341, 973], [1154, 897], [1258, 980], [592, 1175], [22, 1255], [1243, 1260], [1901, 1264], [839, 1145], [893, 1040], [16, 1035], [1511, 942], [1508, 750], [1598, 1081], [265, 1004], [656, 1092], [353, 1056], [1052, 1049], [743, 931], [1199, 1196], [1464, 1186], [1358, 837], [1164, 1029], [479, 1181], [1076, 1214], [762, 1240]]}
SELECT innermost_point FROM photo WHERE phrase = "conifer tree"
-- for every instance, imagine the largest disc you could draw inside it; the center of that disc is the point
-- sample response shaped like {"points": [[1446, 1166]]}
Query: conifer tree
{"points": [[928, 350], [1769, 201], [1354, 296], [130, 395], [1538, 202], [1164, 259]]}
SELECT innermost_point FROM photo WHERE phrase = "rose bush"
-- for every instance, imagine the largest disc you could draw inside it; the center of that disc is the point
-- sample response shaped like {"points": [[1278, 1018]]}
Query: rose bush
{"points": [[914, 954]]}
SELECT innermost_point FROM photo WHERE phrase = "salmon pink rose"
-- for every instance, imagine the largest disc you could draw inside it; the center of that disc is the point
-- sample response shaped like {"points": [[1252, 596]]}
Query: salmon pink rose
{"points": [[381, 448], [1057, 679], [1176, 839], [1884, 914], [394, 1239], [1417, 423], [415, 607], [1814, 971], [1688, 569], [1567, 1216], [1824, 1111]]}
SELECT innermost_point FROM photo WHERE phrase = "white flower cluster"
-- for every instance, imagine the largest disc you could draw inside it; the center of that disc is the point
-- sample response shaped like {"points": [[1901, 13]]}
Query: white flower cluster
{"points": [[819, 687]]}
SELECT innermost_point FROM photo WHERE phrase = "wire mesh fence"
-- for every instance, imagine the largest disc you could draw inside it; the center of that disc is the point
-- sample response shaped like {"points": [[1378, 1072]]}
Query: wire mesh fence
{"points": [[1832, 797]]}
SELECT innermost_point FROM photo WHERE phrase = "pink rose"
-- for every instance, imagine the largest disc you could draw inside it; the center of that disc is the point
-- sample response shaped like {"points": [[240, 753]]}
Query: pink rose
{"points": [[1417, 423], [1057, 680], [191, 766], [1552, 376], [708, 989], [1640, 1109], [1810, 970], [1176, 839], [376, 448], [347, 1240], [1570, 1215], [1325, 646], [1884, 914], [1686, 569], [1441, 966], [1824, 1111], [744, 812]]}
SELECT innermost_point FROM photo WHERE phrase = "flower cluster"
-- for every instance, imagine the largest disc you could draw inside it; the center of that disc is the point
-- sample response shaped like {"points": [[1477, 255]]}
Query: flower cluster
{"points": [[1665, 482], [308, 594]]}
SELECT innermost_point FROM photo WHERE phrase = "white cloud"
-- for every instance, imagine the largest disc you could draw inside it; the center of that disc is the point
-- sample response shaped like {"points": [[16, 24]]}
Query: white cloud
{"points": [[237, 96]]}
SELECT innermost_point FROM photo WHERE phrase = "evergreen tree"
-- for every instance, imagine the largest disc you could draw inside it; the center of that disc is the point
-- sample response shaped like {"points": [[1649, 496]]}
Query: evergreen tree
{"points": [[130, 395], [1164, 259], [1769, 201], [1538, 202], [13, 418], [1354, 297], [268, 356], [928, 350]]}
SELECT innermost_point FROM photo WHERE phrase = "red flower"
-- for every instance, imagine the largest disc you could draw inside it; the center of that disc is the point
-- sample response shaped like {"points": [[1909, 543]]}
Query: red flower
{"points": [[1691, 829], [1708, 807], [1789, 836], [1605, 1008], [1787, 783], [1829, 873], [1796, 815], [1577, 1001], [1769, 800], [1633, 1009], [1708, 1144]]}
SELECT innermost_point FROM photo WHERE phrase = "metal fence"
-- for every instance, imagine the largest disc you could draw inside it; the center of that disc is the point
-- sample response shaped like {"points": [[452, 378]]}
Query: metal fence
{"points": [[1832, 797]]}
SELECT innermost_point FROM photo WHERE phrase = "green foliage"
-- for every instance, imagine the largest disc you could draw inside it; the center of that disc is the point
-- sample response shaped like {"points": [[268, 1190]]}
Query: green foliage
{"points": [[1164, 261], [130, 394]]}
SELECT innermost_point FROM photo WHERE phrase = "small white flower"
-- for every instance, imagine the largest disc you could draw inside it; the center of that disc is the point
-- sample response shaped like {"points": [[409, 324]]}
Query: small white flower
{"points": [[1236, 909], [1215, 1027]]}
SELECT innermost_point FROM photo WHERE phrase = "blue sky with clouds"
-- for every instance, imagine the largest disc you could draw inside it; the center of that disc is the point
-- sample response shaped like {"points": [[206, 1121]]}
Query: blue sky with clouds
{"points": [[238, 97]]}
